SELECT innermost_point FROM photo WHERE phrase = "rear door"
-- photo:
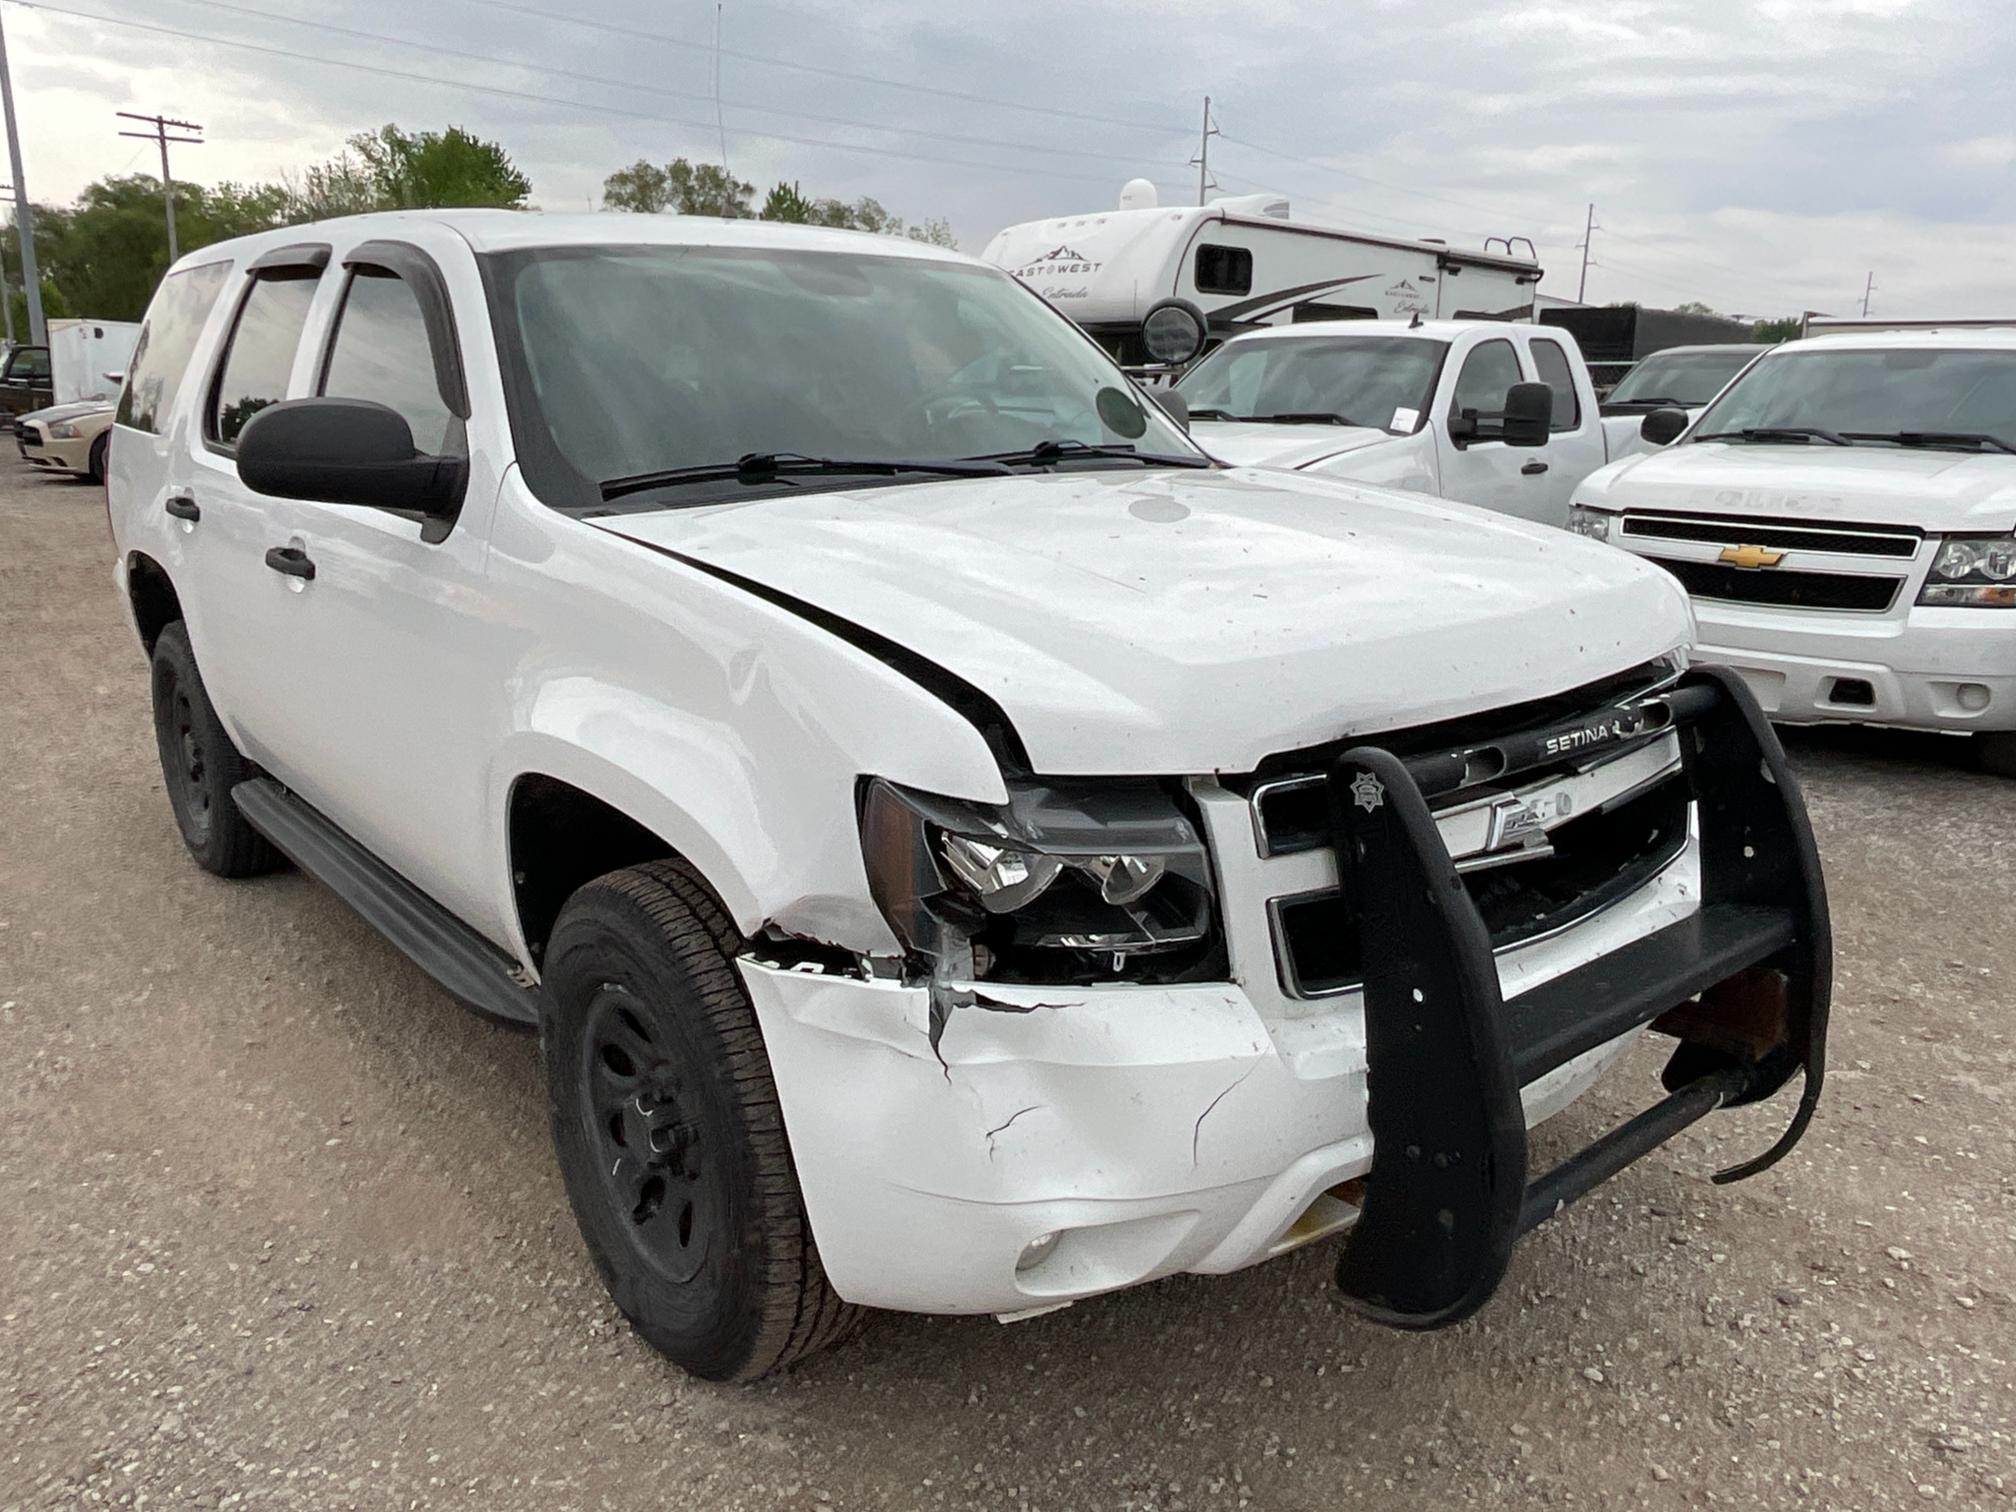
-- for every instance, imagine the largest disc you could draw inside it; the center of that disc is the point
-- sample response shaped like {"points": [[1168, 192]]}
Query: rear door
{"points": [[1490, 474]]}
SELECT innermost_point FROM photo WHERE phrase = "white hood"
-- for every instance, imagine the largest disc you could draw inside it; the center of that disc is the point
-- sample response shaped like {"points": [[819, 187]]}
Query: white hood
{"points": [[1254, 443], [1184, 622], [1871, 485]]}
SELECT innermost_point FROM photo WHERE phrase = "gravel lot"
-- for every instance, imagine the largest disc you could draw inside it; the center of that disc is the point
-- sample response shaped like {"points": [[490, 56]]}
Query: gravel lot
{"points": [[279, 1225]]}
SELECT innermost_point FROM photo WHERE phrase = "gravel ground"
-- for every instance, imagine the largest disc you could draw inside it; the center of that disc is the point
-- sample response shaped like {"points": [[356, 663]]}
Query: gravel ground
{"points": [[279, 1225]]}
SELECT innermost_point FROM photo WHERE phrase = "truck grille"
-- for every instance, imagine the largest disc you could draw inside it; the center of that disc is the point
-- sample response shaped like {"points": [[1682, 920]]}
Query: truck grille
{"points": [[1784, 535], [1632, 802], [1783, 589], [1598, 859]]}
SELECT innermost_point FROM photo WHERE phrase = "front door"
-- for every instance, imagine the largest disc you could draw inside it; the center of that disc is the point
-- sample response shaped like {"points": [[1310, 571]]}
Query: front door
{"points": [[1490, 474]]}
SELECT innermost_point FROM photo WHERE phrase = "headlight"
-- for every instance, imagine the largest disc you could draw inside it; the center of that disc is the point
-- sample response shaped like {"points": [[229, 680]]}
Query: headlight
{"points": [[1593, 523], [63, 430], [1973, 572], [1064, 882]]}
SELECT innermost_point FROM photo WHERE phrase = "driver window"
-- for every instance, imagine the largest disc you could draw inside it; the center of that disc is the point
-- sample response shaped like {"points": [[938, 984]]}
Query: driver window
{"points": [[1489, 370], [381, 352]]}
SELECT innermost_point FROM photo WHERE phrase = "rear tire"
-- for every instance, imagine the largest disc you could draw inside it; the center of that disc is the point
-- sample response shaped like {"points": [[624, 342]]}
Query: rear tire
{"points": [[1995, 752], [668, 1130], [200, 766]]}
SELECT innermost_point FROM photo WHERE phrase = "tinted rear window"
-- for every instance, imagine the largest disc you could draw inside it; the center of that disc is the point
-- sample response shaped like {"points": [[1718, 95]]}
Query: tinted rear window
{"points": [[174, 321]]}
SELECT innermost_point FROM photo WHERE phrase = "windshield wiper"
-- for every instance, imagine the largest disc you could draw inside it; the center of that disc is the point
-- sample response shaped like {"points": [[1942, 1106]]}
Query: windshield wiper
{"points": [[1044, 453], [1776, 433], [1304, 417], [766, 467], [1976, 439], [1661, 401], [1204, 412]]}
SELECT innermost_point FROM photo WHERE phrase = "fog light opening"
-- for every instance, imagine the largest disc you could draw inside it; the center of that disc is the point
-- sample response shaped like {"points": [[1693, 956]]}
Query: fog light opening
{"points": [[1036, 1251], [1855, 692], [1973, 697]]}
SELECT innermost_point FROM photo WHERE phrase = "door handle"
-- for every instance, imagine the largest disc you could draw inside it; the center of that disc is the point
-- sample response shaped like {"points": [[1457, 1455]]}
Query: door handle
{"points": [[292, 561], [183, 508], [1533, 469]]}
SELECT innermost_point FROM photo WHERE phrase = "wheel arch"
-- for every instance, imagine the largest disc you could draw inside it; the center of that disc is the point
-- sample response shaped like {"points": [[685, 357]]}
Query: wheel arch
{"points": [[151, 596]]}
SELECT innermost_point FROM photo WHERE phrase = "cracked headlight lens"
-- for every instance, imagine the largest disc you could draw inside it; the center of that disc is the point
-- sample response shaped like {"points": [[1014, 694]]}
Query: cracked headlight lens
{"points": [[1064, 881]]}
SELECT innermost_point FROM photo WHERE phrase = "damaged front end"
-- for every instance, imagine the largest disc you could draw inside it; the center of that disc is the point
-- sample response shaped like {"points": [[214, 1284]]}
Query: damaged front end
{"points": [[1065, 884]]}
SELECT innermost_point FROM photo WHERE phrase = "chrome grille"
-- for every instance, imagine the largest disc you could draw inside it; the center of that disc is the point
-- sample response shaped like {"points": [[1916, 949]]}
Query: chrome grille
{"points": [[1838, 538]]}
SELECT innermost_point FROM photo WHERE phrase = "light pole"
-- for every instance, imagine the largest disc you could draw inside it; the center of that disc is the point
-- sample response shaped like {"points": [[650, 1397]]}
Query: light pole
{"points": [[24, 216]]}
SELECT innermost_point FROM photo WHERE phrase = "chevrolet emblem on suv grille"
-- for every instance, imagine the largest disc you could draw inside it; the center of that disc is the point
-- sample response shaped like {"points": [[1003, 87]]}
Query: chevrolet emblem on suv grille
{"points": [[1751, 556]]}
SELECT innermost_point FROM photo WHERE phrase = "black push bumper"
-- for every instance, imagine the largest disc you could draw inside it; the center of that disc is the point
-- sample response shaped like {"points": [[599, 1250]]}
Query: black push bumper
{"points": [[1743, 985]]}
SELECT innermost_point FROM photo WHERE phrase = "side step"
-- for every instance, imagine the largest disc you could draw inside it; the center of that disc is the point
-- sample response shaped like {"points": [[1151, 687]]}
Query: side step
{"points": [[467, 966]]}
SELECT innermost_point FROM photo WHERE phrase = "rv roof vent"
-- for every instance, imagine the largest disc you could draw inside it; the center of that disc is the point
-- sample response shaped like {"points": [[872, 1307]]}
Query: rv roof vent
{"points": [[1274, 206], [1138, 194]]}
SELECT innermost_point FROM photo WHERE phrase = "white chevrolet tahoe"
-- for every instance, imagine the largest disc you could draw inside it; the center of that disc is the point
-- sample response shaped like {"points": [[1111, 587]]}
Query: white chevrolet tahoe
{"points": [[1480, 411], [1844, 515], [962, 850]]}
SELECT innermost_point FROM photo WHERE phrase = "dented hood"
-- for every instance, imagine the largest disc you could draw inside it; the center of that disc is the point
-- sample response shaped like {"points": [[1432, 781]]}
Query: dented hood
{"points": [[1187, 622], [1870, 485], [1253, 443]]}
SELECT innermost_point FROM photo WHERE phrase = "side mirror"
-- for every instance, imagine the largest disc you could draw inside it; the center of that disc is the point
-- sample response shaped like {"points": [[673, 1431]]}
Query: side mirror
{"points": [[1529, 415], [346, 451], [1662, 427], [1173, 404], [1173, 332]]}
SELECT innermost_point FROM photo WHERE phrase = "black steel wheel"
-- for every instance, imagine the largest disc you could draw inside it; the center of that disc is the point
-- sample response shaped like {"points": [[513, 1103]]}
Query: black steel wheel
{"points": [[200, 765], [668, 1131]]}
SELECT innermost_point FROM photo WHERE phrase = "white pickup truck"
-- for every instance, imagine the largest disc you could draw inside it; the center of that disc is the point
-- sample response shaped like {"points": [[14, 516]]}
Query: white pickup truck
{"points": [[1480, 411], [962, 849], [1844, 515]]}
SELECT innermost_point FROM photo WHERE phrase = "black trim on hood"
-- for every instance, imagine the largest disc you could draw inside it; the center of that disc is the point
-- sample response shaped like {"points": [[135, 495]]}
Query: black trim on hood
{"points": [[973, 705]]}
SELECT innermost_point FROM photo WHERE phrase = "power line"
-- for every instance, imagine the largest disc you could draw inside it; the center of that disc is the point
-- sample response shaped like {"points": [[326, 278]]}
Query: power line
{"points": [[1054, 112], [541, 99], [606, 80]]}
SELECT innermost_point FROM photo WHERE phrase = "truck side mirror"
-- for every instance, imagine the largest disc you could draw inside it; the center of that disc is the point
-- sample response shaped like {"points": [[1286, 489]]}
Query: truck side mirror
{"points": [[1529, 415], [1173, 404], [346, 451], [1662, 427]]}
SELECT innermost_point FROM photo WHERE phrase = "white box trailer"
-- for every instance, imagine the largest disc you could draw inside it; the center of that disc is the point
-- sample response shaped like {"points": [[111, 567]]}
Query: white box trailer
{"points": [[87, 358], [1246, 264]]}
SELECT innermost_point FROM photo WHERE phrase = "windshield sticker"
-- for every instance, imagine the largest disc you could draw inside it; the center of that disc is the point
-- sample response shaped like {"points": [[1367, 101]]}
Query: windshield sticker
{"points": [[1404, 420]]}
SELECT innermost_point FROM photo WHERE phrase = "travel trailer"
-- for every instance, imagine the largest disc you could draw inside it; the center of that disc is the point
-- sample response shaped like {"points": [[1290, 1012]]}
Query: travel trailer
{"points": [[1246, 264]]}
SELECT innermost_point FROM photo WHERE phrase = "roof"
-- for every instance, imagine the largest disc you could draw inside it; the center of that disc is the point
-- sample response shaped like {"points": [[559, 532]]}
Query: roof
{"points": [[1751, 347], [1959, 339], [1427, 330], [510, 230]]}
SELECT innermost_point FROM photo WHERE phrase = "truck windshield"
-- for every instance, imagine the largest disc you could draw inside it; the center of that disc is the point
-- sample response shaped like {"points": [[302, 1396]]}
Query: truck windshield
{"points": [[1682, 378], [627, 362], [1873, 396], [1382, 381]]}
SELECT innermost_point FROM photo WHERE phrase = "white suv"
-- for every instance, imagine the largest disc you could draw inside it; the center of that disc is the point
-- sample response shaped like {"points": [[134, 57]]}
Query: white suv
{"points": [[1844, 514], [962, 850]]}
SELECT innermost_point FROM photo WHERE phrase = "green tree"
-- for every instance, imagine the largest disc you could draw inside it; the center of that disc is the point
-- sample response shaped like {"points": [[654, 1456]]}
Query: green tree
{"points": [[430, 169], [785, 202], [1695, 307], [1771, 332], [680, 187]]}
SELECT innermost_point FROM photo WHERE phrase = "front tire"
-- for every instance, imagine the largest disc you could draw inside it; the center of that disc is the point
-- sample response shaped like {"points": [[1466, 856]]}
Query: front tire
{"points": [[200, 766], [1995, 752], [669, 1134], [100, 450]]}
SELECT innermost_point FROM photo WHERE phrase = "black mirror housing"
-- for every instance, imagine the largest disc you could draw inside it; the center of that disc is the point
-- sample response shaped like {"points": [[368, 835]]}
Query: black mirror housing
{"points": [[1662, 427], [1172, 403], [347, 451], [1529, 415]]}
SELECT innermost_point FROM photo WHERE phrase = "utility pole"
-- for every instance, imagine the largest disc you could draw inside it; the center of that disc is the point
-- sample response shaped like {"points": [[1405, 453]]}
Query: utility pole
{"points": [[1868, 288], [160, 134], [1205, 183], [6, 303], [24, 217], [1589, 229]]}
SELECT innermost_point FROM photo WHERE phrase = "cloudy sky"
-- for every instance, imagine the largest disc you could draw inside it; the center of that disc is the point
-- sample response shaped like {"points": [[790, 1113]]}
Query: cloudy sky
{"points": [[1762, 155]]}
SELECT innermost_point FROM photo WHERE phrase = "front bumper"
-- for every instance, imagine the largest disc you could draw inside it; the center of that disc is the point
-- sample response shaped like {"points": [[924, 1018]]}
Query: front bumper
{"points": [[1157, 1130], [1926, 668]]}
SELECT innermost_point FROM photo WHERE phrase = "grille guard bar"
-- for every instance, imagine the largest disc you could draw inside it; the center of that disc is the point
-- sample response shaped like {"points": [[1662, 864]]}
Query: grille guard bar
{"points": [[1744, 986]]}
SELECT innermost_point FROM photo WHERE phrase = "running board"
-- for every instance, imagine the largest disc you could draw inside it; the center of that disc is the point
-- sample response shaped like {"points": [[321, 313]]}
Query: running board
{"points": [[467, 966]]}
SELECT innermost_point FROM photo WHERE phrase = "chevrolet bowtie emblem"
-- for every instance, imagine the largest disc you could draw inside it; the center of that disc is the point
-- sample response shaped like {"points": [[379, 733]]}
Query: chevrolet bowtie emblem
{"points": [[1751, 556]]}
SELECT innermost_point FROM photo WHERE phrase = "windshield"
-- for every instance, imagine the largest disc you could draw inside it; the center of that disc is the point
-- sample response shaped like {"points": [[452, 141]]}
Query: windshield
{"points": [[1683, 378], [1382, 381], [634, 360], [1864, 392]]}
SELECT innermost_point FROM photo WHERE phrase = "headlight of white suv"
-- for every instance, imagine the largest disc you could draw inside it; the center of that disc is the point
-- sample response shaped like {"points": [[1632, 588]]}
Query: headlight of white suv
{"points": [[64, 430], [1973, 572], [1065, 882], [1593, 523]]}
